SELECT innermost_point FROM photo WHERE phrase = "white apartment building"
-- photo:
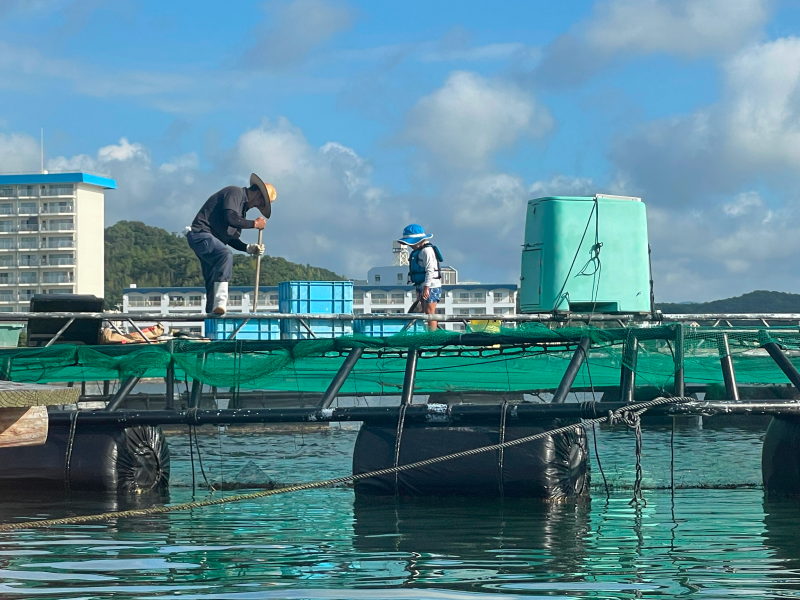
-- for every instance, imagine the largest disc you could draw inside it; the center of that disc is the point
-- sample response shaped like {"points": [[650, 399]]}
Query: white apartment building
{"points": [[383, 293], [51, 236]]}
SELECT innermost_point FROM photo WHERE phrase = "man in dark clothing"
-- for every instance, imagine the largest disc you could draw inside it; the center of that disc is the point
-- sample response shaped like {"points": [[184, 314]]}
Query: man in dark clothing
{"points": [[219, 224]]}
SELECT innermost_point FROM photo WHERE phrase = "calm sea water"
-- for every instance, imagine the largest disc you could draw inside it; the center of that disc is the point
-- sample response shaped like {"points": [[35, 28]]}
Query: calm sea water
{"points": [[325, 544]]}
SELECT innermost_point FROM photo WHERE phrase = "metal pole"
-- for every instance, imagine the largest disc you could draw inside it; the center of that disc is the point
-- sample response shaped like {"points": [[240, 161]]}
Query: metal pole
{"points": [[572, 371], [679, 388], [410, 376], [60, 331], [106, 388], [783, 362], [340, 377], [197, 392], [627, 383], [141, 333], [258, 270], [124, 389], [169, 402], [728, 374]]}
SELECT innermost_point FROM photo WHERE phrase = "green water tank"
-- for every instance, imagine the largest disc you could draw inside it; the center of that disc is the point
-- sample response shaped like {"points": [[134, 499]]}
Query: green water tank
{"points": [[585, 254]]}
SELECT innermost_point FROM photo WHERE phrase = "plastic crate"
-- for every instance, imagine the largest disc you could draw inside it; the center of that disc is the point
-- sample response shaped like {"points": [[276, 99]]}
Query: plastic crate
{"points": [[322, 328], [385, 328], [316, 297], [254, 329]]}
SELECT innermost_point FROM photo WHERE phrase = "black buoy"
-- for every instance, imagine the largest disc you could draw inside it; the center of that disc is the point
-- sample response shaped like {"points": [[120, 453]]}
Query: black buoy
{"points": [[134, 459], [780, 457], [554, 468]]}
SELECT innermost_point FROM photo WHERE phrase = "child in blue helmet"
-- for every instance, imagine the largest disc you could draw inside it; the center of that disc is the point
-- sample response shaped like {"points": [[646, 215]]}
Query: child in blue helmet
{"points": [[423, 269]]}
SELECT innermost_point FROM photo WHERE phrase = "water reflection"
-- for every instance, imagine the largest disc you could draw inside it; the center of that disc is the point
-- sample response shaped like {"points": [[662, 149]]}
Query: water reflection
{"points": [[474, 539]]}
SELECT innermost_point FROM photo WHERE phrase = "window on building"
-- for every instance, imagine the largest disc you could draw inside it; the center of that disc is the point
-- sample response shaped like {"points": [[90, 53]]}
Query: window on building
{"points": [[358, 311], [136, 300], [398, 298], [61, 259], [479, 296], [27, 243], [26, 191], [31, 224], [462, 298], [380, 312], [399, 278], [61, 189], [378, 297], [459, 327], [60, 225], [478, 311], [195, 300], [6, 192], [235, 300], [62, 290], [440, 311], [395, 311], [462, 311], [273, 300], [28, 208], [177, 300], [26, 295], [6, 244], [153, 301], [6, 209], [503, 311], [6, 226], [28, 277], [57, 277], [449, 277], [60, 242], [377, 278], [6, 260], [358, 297], [498, 296], [6, 296]]}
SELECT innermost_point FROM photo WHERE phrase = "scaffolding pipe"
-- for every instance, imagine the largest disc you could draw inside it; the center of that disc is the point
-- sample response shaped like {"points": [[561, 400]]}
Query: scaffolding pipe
{"points": [[728, 374], [410, 376], [122, 393], [783, 362], [340, 377], [572, 371], [679, 388], [627, 383]]}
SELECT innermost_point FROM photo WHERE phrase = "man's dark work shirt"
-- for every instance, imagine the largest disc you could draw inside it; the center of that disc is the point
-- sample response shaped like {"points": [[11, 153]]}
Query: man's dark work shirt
{"points": [[223, 216]]}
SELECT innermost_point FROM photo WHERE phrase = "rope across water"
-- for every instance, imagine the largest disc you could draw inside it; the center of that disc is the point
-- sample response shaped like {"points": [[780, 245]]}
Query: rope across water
{"points": [[621, 415]]}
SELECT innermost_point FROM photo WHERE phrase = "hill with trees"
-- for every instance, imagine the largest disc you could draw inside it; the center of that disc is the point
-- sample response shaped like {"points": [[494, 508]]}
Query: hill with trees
{"points": [[760, 301], [153, 257]]}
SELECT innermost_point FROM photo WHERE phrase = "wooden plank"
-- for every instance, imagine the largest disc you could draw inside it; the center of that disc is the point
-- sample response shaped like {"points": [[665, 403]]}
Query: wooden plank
{"points": [[15, 395], [23, 426]]}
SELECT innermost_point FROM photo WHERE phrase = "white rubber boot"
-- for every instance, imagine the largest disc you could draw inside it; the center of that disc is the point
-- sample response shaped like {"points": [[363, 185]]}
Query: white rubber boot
{"points": [[220, 297]]}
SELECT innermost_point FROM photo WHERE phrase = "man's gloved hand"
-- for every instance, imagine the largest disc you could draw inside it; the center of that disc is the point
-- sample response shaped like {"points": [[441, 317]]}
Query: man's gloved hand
{"points": [[255, 249]]}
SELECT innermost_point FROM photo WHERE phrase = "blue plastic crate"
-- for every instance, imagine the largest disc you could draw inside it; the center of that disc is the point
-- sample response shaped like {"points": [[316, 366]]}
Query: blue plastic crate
{"points": [[385, 328], [254, 329], [316, 297], [322, 328]]}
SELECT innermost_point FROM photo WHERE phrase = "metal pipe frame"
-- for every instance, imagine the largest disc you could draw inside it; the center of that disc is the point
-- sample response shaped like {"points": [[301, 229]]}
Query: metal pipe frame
{"points": [[557, 317], [169, 400], [679, 388], [627, 383], [340, 377], [728, 373], [60, 332], [783, 362], [431, 414], [122, 393], [410, 376], [572, 371]]}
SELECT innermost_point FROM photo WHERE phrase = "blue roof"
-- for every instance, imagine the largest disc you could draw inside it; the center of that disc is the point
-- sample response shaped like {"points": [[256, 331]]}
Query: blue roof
{"points": [[80, 177]]}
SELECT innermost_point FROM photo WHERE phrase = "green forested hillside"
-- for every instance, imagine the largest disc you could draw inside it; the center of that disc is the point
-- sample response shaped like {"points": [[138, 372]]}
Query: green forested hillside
{"points": [[760, 301], [153, 257]]}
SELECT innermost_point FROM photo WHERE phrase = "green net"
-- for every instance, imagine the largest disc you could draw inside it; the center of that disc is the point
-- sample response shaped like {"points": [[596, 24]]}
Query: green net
{"points": [[526, 358]]}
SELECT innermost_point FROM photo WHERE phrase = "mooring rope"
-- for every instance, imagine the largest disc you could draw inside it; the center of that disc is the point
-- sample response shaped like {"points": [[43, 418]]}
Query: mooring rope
{"points": [[615, 416]]}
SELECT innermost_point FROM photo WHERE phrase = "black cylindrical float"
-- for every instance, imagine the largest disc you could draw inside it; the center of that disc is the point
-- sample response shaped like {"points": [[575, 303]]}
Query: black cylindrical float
{"points": [[555, 467], [135, 459], [780, 457]]}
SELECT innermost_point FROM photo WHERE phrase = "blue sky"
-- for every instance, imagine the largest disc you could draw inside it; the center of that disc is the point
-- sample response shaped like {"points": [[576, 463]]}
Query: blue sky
{"points": [[369, 115]]}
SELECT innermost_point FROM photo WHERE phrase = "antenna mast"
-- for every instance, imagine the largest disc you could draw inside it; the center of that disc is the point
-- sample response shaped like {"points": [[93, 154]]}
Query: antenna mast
{"points": [[41, 146]]}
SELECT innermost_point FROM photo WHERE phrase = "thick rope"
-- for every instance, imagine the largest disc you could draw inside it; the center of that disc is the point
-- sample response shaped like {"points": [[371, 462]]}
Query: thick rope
{"points": [[639, 409]]}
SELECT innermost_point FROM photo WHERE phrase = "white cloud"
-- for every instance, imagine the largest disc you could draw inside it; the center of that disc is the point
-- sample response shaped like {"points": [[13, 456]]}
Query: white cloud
{"points": [[743, 204], [563, 185], [19, 152], [299, 27], [469, 119], [686, 28]]}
